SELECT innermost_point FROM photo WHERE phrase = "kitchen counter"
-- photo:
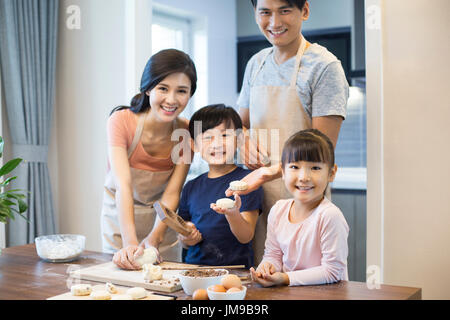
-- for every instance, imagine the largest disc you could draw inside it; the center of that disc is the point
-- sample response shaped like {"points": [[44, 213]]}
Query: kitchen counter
{"points": [[24, 276]]}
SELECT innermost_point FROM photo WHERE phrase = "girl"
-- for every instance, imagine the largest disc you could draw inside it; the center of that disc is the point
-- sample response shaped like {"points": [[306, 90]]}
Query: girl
{"points": [[141, 169], [306, 236]]}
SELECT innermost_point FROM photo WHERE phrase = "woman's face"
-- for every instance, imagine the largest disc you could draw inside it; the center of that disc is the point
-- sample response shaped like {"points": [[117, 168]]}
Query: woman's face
{"points": [[280, 23], [169, 98]]}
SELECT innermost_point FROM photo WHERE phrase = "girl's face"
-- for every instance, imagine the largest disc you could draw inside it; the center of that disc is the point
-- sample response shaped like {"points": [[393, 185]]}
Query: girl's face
{"points": [[307, 181], [280, 23], [169, 98]]}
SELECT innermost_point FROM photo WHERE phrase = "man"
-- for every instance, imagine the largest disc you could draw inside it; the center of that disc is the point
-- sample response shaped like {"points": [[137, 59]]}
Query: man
{"points": [[291, 86]]}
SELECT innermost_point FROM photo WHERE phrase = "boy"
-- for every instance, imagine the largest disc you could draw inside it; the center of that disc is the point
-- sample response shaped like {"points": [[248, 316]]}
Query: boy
{"points": [[220, 236]]}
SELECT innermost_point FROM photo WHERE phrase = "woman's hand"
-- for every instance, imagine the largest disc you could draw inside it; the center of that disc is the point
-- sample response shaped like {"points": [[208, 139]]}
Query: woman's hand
{"points": [[233, 211], [147, 244], [257, 178], [125, 258], [193, 238]]}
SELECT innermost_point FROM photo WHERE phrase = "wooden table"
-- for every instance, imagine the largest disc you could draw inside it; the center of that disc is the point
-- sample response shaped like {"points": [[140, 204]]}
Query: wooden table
{"points": [[24, 276]]}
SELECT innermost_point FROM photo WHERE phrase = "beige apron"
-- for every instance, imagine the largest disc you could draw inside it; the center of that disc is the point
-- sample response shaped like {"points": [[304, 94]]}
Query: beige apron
{"points": [[148, 187], [279, 111]]}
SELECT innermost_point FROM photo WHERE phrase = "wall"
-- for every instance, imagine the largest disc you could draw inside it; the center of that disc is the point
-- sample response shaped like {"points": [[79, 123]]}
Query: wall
{"points": [[91, 80], [408, 154]]}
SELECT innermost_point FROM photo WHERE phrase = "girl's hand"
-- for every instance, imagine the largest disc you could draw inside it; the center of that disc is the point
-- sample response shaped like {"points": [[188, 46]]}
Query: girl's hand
{"points": [[257, 178], [269, 279], [125, 257], [193, 238], [232, 211]]}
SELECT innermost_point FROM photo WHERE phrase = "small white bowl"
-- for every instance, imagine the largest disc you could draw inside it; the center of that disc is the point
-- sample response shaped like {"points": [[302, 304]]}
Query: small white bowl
{"points": [[240, 295], [190, 284], [60, 247]]}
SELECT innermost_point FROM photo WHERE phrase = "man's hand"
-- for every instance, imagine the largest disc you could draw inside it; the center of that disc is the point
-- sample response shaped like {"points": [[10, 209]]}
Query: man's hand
{"points": [[257, 178]]}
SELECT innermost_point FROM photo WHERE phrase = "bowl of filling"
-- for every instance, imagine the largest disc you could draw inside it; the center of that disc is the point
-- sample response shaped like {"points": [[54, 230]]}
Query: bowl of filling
{"points": [[60, 247], [194, 279]]}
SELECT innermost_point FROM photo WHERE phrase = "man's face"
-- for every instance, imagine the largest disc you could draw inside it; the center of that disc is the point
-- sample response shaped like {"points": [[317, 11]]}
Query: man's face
{"points": [[280, 22]]}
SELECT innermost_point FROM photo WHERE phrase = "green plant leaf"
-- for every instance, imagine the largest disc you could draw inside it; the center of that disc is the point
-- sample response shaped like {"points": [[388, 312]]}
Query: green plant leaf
{"points": [[1, 146], [9, 166], [7, 181], [22, 206]]}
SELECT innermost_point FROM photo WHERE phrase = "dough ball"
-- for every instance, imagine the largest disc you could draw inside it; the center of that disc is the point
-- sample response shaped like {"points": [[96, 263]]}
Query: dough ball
{"points": [[152, 272], [238, 185], [148, 257], [137, 293], [121, 297], [81, 289], [100, 295], [111, 288], [225, 203]]}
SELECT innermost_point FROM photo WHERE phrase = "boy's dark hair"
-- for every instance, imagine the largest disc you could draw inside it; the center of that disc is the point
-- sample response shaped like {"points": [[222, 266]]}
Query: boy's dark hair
{"points": [[213, 115], [308, 145], [295, 3]]}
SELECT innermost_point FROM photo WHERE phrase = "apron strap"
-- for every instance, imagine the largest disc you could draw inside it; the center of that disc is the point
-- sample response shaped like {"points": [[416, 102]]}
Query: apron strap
{"points": [[137, 133], [260, 66], [301, 50]]}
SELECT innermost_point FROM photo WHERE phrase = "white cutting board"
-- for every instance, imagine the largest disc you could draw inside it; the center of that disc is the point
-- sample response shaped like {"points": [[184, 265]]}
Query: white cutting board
{"points": [[121, 290], [109, 272]]}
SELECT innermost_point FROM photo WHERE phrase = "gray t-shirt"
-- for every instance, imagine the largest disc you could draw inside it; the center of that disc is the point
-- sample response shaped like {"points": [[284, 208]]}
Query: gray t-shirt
{"points": [[321, 83]]}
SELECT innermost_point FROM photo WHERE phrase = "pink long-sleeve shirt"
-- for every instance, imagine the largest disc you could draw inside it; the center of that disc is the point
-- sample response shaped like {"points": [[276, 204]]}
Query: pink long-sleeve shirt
{"points": [[311, 252]]}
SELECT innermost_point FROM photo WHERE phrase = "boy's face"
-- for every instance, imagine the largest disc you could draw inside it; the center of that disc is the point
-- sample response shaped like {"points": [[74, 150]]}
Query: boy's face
{"points": [[217, 146], [280, 22]]}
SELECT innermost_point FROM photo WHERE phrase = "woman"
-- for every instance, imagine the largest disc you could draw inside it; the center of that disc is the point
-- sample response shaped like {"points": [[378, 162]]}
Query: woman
{"points": [[141, 167], [292, 86]]}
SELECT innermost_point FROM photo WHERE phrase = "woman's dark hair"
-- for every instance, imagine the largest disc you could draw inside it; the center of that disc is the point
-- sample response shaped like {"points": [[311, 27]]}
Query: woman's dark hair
{"points": [[213, 115], [158, 67], [308, 145], [295, 3]]}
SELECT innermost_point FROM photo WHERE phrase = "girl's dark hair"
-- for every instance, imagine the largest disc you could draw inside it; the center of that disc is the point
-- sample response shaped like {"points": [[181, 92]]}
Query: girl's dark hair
{"points": [[213, 115], [295, 3], [159, 66], [308, 145]]}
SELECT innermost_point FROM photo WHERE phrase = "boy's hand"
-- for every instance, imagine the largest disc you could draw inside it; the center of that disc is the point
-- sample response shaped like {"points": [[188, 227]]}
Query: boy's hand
{"points": [[233, 211], [193, 238], [257, 178]]}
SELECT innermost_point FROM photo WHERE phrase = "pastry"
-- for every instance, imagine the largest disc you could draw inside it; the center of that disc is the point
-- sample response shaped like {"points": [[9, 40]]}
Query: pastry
{"points": [[100, 295], [148, 257], [111, 288], [238, 185], [152, 272], [137, 293], [225, 203], [81, 289]]}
